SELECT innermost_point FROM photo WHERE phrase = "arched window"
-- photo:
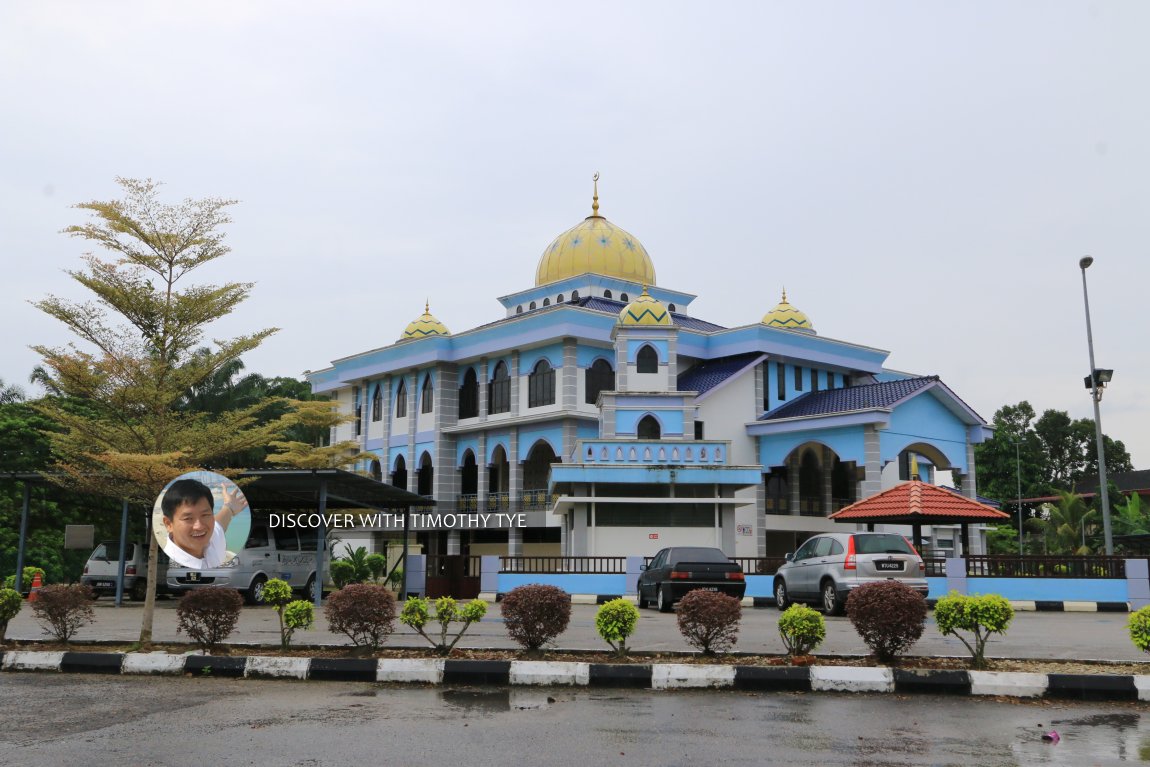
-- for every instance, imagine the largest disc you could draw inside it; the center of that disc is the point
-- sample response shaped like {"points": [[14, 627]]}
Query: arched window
{"points": [[649, 428], [541, 385], [574, 295], [623, 297], [671, 308], [377, 404], [401, 399], [399, 476], [519, 309], [499, 391], [648, 360], [427, 396], [559, 300], [608, 294], [469, 395], [531, 305], [599, 378], [425, 477], [547, 302], [376, 470]]}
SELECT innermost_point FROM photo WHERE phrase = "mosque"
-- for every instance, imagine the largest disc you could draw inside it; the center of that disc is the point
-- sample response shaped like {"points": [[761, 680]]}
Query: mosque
{"points": [[617, 423]]}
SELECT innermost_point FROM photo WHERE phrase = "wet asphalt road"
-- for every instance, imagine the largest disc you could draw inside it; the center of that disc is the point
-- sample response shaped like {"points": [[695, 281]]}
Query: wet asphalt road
{"points": [[1087, 636], [79, 720]]}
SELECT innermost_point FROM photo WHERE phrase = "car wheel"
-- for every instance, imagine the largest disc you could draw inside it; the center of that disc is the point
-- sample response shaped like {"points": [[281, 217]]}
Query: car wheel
{"points": [[832, 605], [309, 590], [782, 601], [255, 593], [663, 600], [642, 600]]}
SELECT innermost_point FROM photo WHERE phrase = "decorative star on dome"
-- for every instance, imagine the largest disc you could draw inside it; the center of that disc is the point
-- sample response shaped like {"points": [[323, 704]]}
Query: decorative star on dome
{"points": [[604, 240]]}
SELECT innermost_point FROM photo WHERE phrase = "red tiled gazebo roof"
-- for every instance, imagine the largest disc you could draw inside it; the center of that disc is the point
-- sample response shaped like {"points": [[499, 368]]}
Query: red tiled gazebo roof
{"points": [[918, 503]]}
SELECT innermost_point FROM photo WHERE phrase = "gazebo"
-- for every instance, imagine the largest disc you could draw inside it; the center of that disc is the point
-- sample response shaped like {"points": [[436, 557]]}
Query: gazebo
{"points": [[918, 503]]}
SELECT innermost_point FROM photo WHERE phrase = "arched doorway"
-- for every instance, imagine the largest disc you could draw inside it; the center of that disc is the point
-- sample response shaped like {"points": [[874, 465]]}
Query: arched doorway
{"points": [[536, 473], [399, 475], [649, 428], [498, 480], [810, 485], [376, 470], [425, 480]]}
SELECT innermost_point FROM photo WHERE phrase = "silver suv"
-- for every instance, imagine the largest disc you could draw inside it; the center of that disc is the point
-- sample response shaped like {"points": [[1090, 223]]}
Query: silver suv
{"points": [[828, 566]]}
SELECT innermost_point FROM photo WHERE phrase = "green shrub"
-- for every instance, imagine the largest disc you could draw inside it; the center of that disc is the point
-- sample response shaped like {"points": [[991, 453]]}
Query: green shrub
{"points": [[395, 580], [709, 620], [615, 621], [357, 558], [63, 610], [889, 616], [1139, 626], [209, 615], [802, 629], [278, 594], [29, 575], [297, 615], [535, 614], [416, 613], [10, 604], [376, 565], [342, 573], [981, 615], [365, 612]]}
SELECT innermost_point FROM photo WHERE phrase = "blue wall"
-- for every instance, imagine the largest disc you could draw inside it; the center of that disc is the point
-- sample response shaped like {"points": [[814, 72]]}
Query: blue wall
{"points": [[627, 421], [1051, 589], [924, 419]]}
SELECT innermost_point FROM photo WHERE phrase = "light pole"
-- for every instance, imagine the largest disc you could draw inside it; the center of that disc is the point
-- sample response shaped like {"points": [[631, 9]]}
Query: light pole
{"points": [[1018, 471], [1096, 394]]}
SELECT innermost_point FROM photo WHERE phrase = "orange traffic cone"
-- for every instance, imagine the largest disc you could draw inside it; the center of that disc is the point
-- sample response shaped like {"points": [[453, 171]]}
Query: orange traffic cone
{"points": [[37, 582]]}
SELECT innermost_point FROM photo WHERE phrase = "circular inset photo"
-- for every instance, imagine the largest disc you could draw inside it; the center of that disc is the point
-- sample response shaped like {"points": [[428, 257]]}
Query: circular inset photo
{"points": [[200, 519]]}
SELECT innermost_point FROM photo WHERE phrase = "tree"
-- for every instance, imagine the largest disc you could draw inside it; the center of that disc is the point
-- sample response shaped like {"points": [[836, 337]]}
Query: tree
{"points": [[1069, 523], [1072, 452], [1131, 517], [143, 330], [10, 393]]}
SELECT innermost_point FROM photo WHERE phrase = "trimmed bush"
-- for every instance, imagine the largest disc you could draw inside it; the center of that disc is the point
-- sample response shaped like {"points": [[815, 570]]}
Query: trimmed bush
{"points": [[1138, 625], [802, 629], [709, 621], [29, 576], [342, 572], [209, 615], [417, 614], [10, 604], [535, 614], [278, 594], [297, 615], [615, 621], [365, 612], [63, 610], [376, 565], [889, 616], [981, 615]]}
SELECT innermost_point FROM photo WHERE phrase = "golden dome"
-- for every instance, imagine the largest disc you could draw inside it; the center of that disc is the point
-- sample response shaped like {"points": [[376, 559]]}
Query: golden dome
{"points": [[645, 310], [595, 245], [787, 317], [425, 325]]}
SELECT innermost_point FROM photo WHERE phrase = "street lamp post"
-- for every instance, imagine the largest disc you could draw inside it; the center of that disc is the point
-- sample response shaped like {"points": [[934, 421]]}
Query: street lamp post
{"points": [[1018, 472], [1096, 394]]}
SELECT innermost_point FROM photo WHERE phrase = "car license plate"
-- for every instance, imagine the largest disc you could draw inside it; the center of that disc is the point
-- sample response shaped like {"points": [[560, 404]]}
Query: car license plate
{"points": [[888, 565], [708, 588], [193, 577], [105, 584]]}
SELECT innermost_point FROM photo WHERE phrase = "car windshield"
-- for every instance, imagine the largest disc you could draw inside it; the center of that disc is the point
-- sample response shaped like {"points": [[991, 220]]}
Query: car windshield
{"points": [[882, 543], [699, 554]]}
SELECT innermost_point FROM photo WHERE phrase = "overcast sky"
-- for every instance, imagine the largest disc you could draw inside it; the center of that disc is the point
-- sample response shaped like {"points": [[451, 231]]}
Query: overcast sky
{"points": [[921, 177]]}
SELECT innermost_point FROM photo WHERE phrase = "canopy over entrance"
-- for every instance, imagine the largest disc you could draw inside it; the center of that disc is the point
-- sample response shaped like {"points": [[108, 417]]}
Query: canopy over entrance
{"points": [[918, 503]]}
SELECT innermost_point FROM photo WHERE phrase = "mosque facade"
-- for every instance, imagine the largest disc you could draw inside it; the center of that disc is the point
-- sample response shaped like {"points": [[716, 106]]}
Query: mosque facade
{"points": [[607, 420]]}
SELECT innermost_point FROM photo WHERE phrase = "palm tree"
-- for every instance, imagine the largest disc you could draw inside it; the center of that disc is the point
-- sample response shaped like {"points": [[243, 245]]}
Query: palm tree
{"points": [[1131, 518], [1068, 523], [10, 393]]}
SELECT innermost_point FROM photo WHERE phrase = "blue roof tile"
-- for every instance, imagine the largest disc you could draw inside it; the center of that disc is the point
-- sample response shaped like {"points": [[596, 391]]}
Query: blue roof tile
{"points": [[708, 374], [828, 402]]}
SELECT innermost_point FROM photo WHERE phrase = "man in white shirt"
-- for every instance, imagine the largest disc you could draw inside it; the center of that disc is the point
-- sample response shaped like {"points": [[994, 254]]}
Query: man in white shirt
{"points": [[196, 534]]}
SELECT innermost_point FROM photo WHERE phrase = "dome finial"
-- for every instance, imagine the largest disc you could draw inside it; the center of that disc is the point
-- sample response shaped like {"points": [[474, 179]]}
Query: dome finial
{"points": [[784, 294], [427, 305], [595, 199]]}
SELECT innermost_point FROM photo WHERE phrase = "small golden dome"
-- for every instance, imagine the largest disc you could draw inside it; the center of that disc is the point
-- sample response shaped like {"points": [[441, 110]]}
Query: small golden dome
{"points": [[787, 317], [425, 325], [595, 245], [645, 310]]}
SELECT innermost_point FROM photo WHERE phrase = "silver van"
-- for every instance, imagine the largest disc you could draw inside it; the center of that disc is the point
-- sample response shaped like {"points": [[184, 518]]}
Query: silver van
{"points": [[103, 567], [827, 567], [287, 553]]}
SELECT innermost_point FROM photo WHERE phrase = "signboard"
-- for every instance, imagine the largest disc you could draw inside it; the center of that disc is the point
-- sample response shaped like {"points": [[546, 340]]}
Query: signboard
{"points": [[744, 530], [81, 537]]}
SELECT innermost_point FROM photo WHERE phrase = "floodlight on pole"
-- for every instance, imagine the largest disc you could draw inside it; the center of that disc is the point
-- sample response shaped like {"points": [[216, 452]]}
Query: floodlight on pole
{"points": [[1096, 394]]}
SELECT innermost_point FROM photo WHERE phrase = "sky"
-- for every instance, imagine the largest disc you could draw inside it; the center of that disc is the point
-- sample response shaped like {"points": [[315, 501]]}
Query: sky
{"points": [[921, 177]]}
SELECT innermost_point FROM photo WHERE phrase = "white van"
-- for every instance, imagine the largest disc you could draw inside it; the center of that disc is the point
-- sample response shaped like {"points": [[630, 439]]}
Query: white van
{"points": [[103, 567], [277, 552]]}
